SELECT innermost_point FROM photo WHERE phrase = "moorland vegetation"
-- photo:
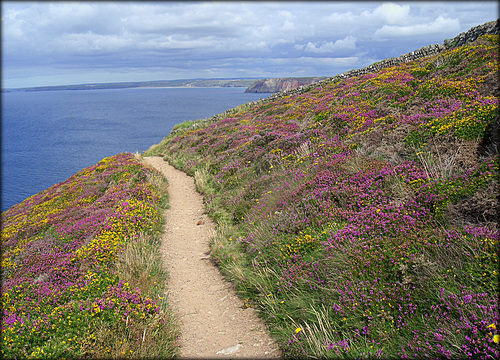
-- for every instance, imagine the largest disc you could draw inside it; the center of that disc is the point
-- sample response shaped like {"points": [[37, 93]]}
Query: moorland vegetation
{"points": [[81, 270], [359, 217]]}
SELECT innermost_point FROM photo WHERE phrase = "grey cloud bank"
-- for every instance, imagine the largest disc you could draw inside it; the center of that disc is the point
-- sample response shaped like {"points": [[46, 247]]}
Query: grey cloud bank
{"points": [[58, 43]]}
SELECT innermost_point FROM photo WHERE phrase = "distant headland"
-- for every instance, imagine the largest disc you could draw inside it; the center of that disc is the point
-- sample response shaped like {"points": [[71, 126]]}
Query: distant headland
{"points": [[185, 83]]}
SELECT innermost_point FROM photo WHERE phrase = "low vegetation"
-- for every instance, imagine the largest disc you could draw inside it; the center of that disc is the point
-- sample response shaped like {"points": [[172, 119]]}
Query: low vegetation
{"points": [[359, 218], [81, 272]]}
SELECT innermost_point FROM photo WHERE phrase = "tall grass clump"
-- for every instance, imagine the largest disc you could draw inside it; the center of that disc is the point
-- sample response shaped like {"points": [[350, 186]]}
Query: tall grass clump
{"points": [[81, 272], [359, 218]]}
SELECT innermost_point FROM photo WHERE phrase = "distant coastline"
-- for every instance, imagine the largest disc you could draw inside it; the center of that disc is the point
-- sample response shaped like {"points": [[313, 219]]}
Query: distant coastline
{"points": [[192, 83], [253, 85]]}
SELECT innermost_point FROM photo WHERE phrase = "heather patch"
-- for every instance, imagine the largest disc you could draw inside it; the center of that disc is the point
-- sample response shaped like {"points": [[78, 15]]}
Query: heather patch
{"points": [[344, 209], [65, 289]]}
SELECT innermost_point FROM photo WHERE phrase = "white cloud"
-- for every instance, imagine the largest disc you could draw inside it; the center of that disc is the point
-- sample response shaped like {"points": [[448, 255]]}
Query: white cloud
{"points": [[319, 61], [89, 43], [43, 39], [441, 25], [349, 42], [341, 17], [392, 14]]}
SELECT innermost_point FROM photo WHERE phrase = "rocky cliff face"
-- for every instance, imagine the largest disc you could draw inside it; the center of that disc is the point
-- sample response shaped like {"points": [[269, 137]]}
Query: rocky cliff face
{"points": [[281, 84]]}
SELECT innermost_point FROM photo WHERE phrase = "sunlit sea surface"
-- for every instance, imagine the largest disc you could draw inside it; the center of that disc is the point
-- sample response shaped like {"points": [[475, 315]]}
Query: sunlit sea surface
{"points": [[47, 136]]}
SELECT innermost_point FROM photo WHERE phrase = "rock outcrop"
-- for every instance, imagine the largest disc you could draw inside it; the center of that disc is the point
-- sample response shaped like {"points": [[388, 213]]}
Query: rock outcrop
{"points": [[281, 84]]}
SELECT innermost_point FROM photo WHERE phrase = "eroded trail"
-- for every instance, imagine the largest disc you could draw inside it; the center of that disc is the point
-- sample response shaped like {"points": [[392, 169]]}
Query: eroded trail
{"points": [[214, 321]]}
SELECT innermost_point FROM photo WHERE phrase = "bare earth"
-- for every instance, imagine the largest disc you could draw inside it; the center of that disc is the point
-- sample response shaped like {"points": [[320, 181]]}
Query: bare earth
{"points": [[214, 321]]}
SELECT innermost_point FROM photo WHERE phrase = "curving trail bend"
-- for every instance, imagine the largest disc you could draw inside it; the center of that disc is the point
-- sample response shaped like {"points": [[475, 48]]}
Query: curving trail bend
{"points": [[214, 321]]}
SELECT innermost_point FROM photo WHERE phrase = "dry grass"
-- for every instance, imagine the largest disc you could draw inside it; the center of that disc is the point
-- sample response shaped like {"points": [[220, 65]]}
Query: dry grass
{"points": [[137, 156], [436, 167], [447, 156], [317, 334], [482, 208], [201, 178], [139, 265], [304, 150], [225, 242], [400, 190], [160, 183], [155, 340]]}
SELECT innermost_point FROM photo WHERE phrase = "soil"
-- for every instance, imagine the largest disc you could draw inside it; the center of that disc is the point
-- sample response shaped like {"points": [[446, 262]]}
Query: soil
{"points": [[214, 322]]}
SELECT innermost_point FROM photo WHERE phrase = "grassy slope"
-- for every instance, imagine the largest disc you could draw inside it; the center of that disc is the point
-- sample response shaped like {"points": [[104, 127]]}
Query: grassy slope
{"points": [[81, 272], [359, 217]]}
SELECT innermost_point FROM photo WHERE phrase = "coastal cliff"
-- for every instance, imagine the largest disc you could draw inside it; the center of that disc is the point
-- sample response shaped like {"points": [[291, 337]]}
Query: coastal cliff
{"points": [[280, 84]]}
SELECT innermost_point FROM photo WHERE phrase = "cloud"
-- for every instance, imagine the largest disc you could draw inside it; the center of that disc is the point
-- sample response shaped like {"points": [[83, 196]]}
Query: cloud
{"points": [[392, 14], [440, 25], [306, 60], [76, 28], [47, 40], [349, 42]]}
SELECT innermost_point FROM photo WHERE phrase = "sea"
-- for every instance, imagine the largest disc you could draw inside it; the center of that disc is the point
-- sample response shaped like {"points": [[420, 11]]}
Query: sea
{"points": [[47, 136]]}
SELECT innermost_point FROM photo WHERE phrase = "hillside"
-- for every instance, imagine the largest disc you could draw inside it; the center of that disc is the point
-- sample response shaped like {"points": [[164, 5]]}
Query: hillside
{"points": [[81, 273], [290, 86], [359, 216]]}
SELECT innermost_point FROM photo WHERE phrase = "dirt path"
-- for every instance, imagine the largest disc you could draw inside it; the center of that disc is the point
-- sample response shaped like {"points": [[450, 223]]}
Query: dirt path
{"points": [[214, 321]]}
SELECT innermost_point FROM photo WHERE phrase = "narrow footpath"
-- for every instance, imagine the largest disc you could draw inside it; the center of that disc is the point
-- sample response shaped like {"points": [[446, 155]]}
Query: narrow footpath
{"points": [[214, 322]]}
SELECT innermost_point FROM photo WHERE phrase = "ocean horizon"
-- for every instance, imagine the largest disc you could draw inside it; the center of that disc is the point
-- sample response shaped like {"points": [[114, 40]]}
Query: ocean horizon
{"points": [[47, 136]]}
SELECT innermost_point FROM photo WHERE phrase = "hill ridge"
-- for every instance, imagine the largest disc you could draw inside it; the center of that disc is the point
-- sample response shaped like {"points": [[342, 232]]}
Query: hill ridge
{"points": [[488, 28], [360, 216]]}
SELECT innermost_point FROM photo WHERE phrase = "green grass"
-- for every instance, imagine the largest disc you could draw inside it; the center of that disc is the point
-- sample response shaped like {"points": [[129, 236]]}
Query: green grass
{"points": [[357, 217], [81, 271]]}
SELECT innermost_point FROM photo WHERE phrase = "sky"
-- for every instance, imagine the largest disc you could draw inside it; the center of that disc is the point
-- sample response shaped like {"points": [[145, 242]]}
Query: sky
{"points": [[80, 42]]}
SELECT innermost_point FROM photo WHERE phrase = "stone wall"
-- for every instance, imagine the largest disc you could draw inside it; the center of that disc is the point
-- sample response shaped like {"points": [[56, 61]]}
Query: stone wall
{"points": [[490, 28]]}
